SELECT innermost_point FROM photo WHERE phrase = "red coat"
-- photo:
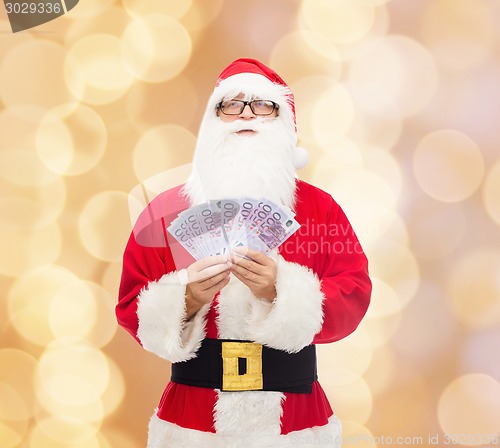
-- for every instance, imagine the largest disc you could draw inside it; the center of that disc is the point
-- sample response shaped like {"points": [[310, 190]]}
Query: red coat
{"points": [[323, 291]]}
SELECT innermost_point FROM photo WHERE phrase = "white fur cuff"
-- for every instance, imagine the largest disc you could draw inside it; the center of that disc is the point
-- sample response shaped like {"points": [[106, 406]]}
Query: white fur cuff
{"points": [[296, 314], [163, 329]]}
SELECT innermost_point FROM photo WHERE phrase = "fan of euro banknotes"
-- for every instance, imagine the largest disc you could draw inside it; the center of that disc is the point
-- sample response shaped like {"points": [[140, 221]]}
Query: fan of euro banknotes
{"points": [[218, 227]]}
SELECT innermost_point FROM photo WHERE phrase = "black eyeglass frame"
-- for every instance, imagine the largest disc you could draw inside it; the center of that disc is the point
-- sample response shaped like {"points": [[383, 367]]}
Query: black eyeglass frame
{"points": [[249, 103]]}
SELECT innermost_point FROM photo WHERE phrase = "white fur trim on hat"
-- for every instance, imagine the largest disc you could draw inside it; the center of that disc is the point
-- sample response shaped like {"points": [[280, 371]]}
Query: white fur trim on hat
{"points": [[163, 329], [255, 85]]}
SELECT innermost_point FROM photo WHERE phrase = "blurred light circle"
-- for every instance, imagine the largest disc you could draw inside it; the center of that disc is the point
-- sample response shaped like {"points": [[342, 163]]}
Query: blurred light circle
{"points": [[460, 34], [73, 373], [457, 54], [340, 21], [35, 207], [354, 356], [394, 264], [353, 398], [308, 91], [91, 412], [474, 290], [105, 325], [6, 44], [12, 433], [140, 196], [114, 393], [360, 339], [412, 393], [377, 225], [17, 370], [367, 199], [16, 396], [110, 281], [327, 51], [11, 400], [157, 148], [395, 228], [476, 356], [470, 405], [138, 8], [73, 310], [382, 370], [336, 160], [469, 104], [62, 432], [350, 51], [491, 193], [118, 437], [448, 165], [333, 115], [32, 73], [23, 250], [111, 20], [54, 143], [19, 163], [155, 48], [377, 190], [201, 15], [176, 101], [30, 298], [89, 9], [382, 328], [376, 131], [377, 160], [304, 53], [425, 348], [95, 63], [104, 225], [383, 77], [384, 300], [71, 140], [355, 434], [103, 441], [436, 228]]}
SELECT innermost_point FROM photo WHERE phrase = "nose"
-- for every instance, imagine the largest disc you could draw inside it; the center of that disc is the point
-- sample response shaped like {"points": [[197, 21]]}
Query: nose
{"points": [[247, 113]]}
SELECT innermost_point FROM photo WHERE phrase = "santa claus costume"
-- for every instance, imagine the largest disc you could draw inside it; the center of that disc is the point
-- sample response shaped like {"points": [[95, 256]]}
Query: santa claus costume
{"points": [[322, 285]]}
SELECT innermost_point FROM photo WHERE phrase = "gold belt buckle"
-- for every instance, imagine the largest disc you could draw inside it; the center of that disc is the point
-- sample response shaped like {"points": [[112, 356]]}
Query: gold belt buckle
{"points": [[231, 379]]}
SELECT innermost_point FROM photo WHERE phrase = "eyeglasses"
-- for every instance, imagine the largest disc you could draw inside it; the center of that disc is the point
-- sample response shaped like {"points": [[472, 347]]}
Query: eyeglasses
{"points": [[258, 107]]}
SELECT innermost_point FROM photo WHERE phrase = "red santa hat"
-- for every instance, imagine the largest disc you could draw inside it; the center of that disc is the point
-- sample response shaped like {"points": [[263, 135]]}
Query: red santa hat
{"points": [[254, 79]]}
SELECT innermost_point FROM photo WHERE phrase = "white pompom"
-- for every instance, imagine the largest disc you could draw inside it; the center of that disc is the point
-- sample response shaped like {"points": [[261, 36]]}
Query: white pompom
{"points": [[300, 157]]}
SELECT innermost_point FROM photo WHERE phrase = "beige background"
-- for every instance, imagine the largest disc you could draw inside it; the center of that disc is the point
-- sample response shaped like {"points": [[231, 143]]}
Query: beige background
{"points": [[398, 104]]}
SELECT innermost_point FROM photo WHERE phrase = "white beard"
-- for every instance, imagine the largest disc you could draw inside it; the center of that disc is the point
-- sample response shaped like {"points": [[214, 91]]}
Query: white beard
{"points": [[228, 165]]}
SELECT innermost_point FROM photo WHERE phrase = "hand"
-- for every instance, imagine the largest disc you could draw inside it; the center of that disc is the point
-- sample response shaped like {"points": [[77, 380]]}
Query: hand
{"points": [[206, 277], [258, 272]]}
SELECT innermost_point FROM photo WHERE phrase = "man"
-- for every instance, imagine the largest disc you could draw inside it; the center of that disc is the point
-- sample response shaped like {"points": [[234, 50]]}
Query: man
{"points": [[256, 314]]}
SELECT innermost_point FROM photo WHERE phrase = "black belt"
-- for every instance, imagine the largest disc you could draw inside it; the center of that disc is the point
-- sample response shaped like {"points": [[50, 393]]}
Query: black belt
{"points": [[231, 365]]}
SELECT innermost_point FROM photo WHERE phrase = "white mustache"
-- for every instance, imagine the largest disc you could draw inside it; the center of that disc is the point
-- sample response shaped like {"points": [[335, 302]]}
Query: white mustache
{"points": [[241, 125]]}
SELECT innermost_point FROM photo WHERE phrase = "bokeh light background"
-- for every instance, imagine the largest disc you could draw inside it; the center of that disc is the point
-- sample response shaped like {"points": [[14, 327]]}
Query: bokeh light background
{"points": [[398, 103]]}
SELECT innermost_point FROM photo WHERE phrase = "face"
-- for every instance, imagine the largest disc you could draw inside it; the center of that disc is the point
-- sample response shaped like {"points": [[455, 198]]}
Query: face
{"points": [[246, 115], [244, 155]]}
